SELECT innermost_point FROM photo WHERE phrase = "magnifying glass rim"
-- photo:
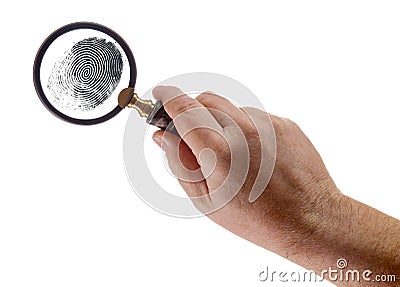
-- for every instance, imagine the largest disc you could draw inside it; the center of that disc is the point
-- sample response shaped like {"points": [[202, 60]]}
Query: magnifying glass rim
{"points": [[46, 44]]}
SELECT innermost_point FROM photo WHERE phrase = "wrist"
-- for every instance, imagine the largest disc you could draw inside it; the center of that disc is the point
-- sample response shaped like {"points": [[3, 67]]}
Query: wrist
{"points": [[318, 229]]}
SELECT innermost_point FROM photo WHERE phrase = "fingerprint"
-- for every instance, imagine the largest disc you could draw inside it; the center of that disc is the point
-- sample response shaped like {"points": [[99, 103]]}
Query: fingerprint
{"points": [[86, 75]]}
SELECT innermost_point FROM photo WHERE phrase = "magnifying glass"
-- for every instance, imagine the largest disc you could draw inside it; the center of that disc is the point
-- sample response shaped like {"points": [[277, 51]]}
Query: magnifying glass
{"points": [[85, 73]]}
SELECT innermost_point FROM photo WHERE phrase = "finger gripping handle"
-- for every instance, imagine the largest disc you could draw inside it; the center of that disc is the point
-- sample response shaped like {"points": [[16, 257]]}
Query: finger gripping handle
{"points": [[158, 117]]}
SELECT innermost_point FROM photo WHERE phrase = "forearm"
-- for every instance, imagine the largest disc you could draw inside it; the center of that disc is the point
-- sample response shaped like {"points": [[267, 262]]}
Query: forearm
{"points": [[344, 228]]}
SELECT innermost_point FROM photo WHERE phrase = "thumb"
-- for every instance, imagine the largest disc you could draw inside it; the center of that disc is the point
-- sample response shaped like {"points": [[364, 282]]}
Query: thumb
{"points": [[183, 163]]}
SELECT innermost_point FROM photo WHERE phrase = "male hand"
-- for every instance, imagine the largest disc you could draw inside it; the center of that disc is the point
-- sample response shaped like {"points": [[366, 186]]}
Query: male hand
{"points": [[300, 214]]}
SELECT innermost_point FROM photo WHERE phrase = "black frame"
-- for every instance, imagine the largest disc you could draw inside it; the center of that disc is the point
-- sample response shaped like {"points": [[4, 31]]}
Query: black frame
{"points": [[42, 50]]}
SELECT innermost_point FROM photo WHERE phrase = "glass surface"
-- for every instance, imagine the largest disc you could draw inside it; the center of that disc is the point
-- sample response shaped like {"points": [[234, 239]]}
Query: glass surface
{"points": [[82, 73]]}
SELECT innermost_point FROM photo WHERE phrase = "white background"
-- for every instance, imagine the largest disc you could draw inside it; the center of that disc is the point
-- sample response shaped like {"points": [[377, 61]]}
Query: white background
{"points": [[68, 216]]}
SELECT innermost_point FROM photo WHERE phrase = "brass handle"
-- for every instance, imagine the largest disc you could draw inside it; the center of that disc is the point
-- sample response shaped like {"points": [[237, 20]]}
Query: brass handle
{"points": [[155, 114], [128, 98]]}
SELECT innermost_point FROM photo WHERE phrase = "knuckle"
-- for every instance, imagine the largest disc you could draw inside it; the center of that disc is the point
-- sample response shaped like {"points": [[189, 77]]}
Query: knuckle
{"points": [[182, 104], [205, 97], [282, 123]]}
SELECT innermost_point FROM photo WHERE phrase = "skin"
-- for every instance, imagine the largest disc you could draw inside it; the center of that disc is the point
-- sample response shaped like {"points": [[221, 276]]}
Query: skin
{"points": [[301, 215]]}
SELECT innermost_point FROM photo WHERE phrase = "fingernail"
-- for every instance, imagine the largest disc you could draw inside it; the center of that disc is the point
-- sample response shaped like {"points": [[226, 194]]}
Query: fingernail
{"points": [[157, 139]]}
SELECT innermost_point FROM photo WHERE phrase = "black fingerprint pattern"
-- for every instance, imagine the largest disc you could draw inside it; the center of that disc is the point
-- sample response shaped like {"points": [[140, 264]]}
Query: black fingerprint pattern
{"points": [[87, 75]]}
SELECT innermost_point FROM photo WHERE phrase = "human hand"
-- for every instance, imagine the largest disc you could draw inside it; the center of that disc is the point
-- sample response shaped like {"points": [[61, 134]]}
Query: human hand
{"points": [[300, 179], [300, 215]]}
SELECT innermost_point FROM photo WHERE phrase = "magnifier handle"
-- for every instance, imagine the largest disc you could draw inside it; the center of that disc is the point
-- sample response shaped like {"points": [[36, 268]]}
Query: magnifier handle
{"points": [[158, 117], [155, 114]]}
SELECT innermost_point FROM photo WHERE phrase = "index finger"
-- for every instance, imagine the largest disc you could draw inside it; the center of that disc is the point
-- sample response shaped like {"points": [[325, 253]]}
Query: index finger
{"points": [[193, 121]]}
